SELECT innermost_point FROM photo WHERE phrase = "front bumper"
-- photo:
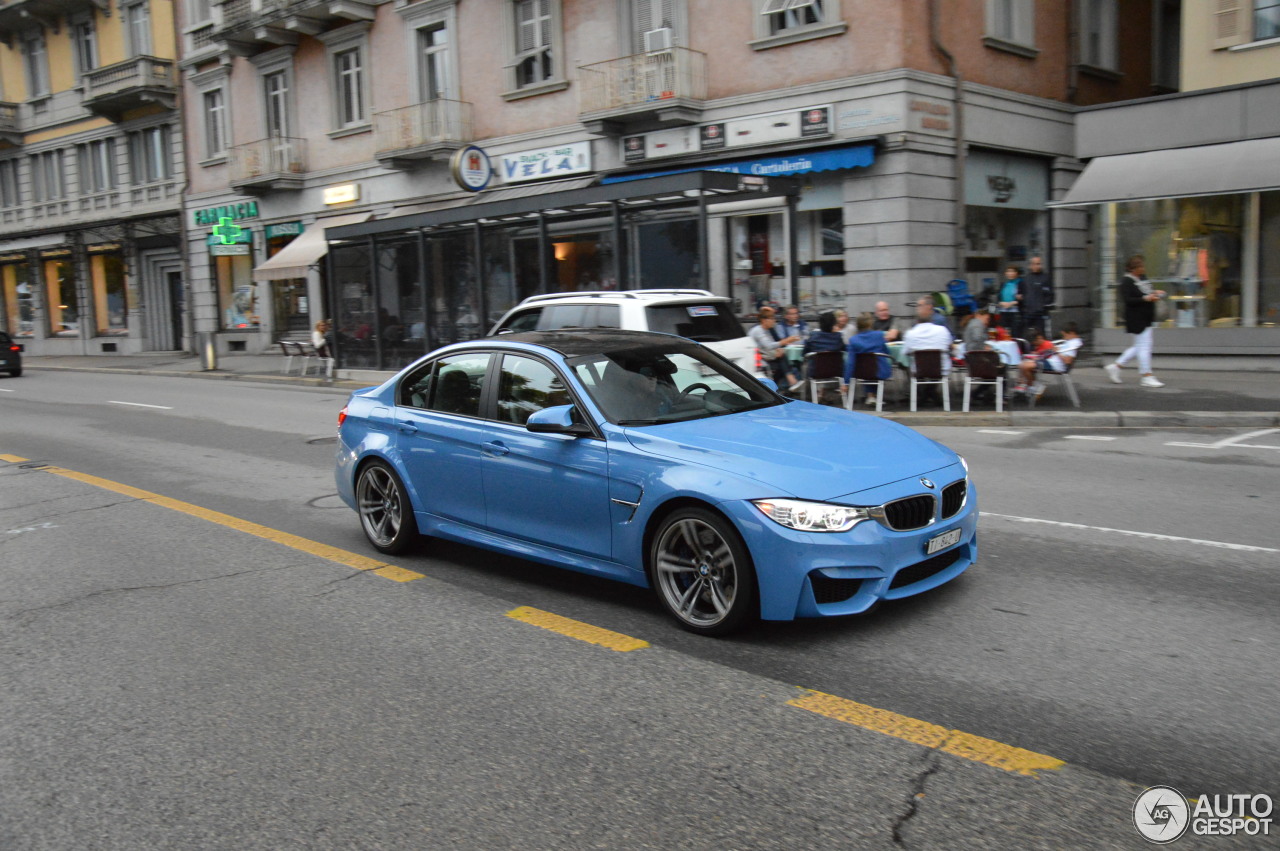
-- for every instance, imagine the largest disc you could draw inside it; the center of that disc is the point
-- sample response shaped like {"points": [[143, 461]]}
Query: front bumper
{"points": [[818, 574]]}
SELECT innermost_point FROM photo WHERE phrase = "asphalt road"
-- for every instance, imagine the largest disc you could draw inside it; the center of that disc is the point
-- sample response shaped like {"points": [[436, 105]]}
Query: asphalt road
{"points": [[1131, 636]]}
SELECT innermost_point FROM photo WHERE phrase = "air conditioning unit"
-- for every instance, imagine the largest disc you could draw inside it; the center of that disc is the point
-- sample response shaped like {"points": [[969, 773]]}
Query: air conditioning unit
{"points": [[657, 40]]}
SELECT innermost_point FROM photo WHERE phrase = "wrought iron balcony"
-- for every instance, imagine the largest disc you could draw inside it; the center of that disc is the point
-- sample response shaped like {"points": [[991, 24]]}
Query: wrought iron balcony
{"points": [[664, 88], [113, 90], [268, 165], [252, 26], [424, 131], [10, 126]]}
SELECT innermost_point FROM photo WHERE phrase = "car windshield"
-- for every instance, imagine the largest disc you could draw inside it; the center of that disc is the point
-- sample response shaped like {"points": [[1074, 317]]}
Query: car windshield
{"points": [[648, 386], [705, 322]]}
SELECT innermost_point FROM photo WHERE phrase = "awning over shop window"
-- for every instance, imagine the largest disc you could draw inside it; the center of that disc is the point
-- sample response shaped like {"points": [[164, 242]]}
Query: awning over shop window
{"points": [[832, 159], [1252, 165], [304, 251]]}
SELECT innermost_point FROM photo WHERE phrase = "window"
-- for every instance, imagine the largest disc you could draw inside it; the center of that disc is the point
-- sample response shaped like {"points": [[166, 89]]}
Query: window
{"points": [[9, 183], [526, 386], [149, 155], [1011, 26], [215, 123], [1098, 34], [47, 182], [137, 27], [1266, 19], [536, 33], [37, 64], [433, 59], [348, 79], [454, 385], [19, 299], [84, 45], [62, 301], [648, 16], [781, 22], [276, 90], [199, 12], [97, 162], [110, 295]]}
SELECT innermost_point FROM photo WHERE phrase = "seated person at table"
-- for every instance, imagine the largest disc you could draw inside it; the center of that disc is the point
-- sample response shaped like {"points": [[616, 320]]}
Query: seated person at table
{"points": [[926, 311], [869, 340], [925, 335], [883, 318], [792, 325], [772, 346], [1048, 357], [975, 331], [826, 338]]}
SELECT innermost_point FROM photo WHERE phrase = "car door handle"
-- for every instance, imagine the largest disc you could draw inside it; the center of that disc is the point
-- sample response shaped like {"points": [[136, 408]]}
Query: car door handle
{"points": [[408, 426], [496, 447]]}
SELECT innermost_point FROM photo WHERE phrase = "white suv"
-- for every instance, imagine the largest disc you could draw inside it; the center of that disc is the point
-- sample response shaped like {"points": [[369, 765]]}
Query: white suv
{"points": [[695, 314]]}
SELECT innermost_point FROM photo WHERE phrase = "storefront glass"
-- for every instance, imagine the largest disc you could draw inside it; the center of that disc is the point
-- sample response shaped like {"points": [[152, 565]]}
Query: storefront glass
{"points": [[354, 310], [401, 314], [62, 300], [110, 294], [453, 293], [1193, 249], [18, 303], [1269, 265], [291, 307], [237, 295], [667, 255]]}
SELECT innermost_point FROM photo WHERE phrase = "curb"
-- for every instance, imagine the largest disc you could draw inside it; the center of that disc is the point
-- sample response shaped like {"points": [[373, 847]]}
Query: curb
{"points": [[215, 375]]}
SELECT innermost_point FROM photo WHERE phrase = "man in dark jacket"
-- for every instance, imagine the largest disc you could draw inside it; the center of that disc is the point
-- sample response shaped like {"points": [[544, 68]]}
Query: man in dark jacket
{"points": [[1037, 296], [1139, 300]]}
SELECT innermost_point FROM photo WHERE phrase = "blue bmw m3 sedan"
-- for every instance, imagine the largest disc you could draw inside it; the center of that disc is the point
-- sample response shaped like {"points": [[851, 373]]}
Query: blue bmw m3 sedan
{"points": [[650, 459]]}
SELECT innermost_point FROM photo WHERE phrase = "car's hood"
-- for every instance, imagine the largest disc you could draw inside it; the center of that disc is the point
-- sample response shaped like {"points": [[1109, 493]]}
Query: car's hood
{"points": [[798, 449]]}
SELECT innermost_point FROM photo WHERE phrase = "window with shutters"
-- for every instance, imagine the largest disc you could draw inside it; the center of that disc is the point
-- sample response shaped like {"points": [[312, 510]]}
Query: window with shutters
{"points": [[655, 25], [1098, 20], [432, 30], [781, 22], [97, 166], [137, 26], [47, 181], [536, 65], [1011, 26], [84, 45], [215, 123], [36, 60], [348, 50]]}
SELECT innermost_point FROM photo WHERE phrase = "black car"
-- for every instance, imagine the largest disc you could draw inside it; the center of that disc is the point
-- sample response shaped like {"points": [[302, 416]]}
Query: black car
{"points": [[10, 355]]}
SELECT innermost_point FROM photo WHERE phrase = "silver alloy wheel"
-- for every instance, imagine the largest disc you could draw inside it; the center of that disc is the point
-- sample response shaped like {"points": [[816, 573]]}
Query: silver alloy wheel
{"points": [[381, 506], [696, 572]]}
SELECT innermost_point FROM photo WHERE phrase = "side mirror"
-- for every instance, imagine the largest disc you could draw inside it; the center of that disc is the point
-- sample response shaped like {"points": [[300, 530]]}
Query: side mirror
{"points": [[556, 420], [768, 382]]}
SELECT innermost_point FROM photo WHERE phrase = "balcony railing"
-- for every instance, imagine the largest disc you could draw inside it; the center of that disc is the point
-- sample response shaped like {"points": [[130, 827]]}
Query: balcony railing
{"points": [[664, 87], [114, 89], [10, 126], [279, 162], [422, 131], [252, 26]]}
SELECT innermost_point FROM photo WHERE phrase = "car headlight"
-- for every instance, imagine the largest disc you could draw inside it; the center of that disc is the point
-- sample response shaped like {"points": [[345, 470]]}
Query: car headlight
{"points": [[964, 464], [811, 516]]}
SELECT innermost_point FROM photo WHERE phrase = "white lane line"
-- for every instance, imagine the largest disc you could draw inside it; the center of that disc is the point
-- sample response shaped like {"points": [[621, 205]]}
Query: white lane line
{"points": [[3, 390], [140, 405], [1231, 441], [1086, 437], [1149, 535], [997, 431]]}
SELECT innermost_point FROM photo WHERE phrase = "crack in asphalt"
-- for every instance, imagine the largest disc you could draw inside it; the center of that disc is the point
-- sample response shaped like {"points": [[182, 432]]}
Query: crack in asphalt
{"points": [[332, 585], [80, 510], [161, 586], [933, 764]]}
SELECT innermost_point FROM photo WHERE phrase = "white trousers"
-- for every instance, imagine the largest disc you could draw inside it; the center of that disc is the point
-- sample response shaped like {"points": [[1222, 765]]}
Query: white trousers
{"points": [[1141, 348]]}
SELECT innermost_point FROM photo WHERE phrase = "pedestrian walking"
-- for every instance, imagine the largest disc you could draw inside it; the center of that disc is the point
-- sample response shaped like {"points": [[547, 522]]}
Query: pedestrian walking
{"points": [[1139, 299], [1037, 297]]}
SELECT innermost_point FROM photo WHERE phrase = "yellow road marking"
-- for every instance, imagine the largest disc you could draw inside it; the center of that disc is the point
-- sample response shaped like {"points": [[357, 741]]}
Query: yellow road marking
{"points": [[12, 459], [577, 629], [315, 548], [954, 742]]}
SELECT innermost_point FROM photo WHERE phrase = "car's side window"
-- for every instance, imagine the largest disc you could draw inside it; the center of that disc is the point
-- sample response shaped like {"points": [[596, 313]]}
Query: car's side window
{"points": [[524, 321], [526, 385], [559, 316], [607, 316], [451, 385]]}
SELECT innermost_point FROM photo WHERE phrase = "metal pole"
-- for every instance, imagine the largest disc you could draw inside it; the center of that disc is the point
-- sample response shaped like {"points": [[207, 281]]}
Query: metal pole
{"points": [[377, 300], [424, 292], [704, 248], [481, 314], [619, 257], [793, 281], [543, 277]]}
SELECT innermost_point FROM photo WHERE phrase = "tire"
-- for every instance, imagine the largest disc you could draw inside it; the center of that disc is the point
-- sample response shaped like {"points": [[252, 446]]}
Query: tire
{"points": [[702, 573], [15, 372], [386, 515]]}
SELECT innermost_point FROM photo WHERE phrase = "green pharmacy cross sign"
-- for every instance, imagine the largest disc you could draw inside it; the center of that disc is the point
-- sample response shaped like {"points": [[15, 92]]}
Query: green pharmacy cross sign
{"points": [[227, 231]]}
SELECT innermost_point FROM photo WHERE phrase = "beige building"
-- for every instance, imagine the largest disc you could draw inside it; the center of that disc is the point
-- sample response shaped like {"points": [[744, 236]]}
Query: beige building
{"points": [[880, 150], [1192, 182], [90, 176]]}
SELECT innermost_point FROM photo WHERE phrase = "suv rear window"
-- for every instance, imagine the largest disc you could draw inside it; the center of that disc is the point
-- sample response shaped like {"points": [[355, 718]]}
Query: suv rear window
{"points": [[705, 323], [557, 316]]}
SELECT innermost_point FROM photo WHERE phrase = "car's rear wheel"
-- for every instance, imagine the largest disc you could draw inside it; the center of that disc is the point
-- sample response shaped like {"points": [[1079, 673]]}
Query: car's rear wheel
{"points": [[16, 372], [385, 512], [702, 572]]}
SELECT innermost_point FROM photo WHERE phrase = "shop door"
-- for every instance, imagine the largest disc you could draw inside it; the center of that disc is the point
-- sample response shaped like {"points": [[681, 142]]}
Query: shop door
{"points": [[292, 307]]}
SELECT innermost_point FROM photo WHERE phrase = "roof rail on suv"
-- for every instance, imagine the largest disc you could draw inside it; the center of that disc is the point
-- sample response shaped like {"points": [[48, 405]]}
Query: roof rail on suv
{"points": [[616, 294]]}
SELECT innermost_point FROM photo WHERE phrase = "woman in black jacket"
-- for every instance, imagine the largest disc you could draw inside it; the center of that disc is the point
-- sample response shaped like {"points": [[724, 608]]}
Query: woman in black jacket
{"points": [[1139, 300]]}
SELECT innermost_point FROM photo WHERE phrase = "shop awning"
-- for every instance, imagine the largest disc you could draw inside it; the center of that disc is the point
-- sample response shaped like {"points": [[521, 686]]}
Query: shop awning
{"points": [[831, 159], [1252, 165], [304, 251]]}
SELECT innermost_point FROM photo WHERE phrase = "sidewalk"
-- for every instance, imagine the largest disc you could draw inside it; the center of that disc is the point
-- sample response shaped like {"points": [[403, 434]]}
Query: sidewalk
{"points": [[1190, 397]]}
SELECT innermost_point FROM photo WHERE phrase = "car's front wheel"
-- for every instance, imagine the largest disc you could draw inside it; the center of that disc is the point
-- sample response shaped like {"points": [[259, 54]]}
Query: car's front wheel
{"points": [[702, 572], [385, 512]]}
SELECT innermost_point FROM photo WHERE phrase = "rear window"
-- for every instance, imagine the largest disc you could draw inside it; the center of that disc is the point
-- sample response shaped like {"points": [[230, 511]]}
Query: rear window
{"points": [[706, 323], [558, 316]]}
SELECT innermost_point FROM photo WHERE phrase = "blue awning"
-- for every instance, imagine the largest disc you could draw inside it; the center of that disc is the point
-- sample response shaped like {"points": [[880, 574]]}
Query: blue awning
{"points": [[832, 159]]}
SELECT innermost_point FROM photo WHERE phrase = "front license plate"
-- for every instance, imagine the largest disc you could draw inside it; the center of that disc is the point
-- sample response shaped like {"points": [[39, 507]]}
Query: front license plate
{"points": [[942, 541]]}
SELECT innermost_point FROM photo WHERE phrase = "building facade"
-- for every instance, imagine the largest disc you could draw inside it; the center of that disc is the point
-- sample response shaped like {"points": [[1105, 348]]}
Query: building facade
{"points": [[1191, 181], [925, 139], [90, 177]]}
